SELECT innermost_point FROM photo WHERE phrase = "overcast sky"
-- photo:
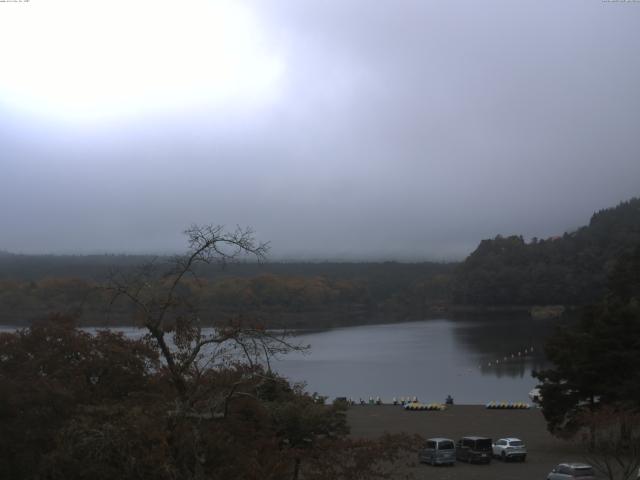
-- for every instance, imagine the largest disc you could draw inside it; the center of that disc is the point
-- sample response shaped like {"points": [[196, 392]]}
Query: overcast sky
{"points": [[346, 129]]}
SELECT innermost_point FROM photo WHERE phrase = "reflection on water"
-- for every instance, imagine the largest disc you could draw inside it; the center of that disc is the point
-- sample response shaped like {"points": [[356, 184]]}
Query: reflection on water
{"points": [[506, 347], [428, 359]]}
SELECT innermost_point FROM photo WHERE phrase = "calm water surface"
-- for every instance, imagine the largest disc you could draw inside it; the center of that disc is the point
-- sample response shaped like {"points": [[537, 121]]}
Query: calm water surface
{"points": [[475, 361], [429, 359]]}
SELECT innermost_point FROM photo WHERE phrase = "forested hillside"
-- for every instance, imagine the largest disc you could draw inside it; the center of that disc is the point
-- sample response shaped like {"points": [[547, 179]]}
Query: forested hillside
{"points": [[281, 294], [504, 272], [570, 270]]}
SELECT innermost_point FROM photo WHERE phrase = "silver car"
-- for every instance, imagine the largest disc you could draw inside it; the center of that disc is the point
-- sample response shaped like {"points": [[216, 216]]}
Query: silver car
{"points": [[510, 448], [438, 451], [566, 471]]}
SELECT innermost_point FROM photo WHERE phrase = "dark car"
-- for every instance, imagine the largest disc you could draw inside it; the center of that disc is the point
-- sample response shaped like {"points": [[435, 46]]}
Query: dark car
{"points": [[474, 449]]}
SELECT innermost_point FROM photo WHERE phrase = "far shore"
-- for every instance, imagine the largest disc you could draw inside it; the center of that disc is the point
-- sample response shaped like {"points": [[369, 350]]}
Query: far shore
{"points": [[320, 320]]}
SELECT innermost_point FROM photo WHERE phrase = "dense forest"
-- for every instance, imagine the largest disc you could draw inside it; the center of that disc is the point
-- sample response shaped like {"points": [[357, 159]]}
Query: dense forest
{"points": [[506, 273], [280, 294], [597, 357], [571, 269]]}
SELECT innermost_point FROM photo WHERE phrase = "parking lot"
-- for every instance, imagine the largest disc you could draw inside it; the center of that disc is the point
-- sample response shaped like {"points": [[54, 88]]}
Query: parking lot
{"points": [[457, 421]]}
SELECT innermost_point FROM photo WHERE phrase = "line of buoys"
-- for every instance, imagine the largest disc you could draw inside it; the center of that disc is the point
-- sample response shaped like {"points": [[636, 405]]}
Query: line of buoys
{"points": [[508, 405], [424, 406], [506, 358]]}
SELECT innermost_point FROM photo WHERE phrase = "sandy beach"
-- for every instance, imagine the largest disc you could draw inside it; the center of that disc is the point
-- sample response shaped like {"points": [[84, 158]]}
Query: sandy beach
{"points": [[544, 451]]}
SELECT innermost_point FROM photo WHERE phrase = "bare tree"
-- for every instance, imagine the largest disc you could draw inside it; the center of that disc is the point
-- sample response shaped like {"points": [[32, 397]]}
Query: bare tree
{"points": [[165, 307], [612, 442]]}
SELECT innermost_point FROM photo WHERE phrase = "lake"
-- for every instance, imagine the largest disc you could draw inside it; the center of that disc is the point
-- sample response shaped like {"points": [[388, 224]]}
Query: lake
{"points": [[475, 361]]}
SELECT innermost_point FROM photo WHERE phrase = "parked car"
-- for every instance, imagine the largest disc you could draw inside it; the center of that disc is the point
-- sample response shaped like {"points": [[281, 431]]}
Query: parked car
{"points": [[566, 471], [438, 451], [474, 449], [510, 448]]}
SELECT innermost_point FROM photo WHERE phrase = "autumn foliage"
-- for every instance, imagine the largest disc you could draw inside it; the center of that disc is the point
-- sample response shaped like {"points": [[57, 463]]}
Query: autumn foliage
{"points": [[77, 405], [184, 401]]}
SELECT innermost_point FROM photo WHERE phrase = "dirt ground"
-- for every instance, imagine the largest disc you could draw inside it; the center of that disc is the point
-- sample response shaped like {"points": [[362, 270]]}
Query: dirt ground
{"points": [[544, 451]]}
